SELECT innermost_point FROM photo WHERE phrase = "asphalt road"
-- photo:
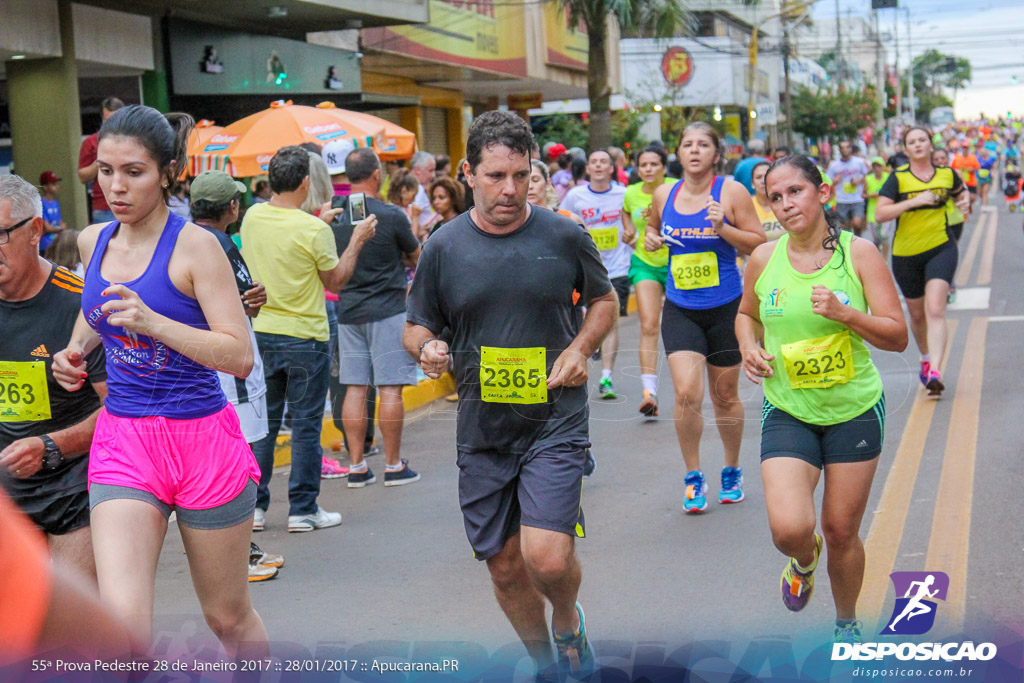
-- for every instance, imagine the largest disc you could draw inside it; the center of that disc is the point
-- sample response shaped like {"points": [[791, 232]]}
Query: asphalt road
{"points": [[399, 571]]}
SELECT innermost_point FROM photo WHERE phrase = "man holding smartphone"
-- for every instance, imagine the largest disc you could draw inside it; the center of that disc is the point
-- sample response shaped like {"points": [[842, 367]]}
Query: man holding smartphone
{"points": [[371, 318]]}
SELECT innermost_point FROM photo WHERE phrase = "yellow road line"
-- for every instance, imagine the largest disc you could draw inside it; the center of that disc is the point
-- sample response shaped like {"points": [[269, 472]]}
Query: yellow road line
{"points": [[989, 254], [963, 275], [883, 541], [951, 524]]}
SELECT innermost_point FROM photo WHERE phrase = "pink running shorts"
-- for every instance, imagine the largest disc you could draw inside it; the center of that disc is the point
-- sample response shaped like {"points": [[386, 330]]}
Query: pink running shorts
{"points": [[195, 464]]}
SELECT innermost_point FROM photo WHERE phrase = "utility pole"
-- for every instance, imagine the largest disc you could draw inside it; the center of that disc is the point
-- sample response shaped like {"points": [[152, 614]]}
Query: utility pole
{"points": [[839, 45], [787, 99], [879, 76], [910, 49], [896, 65]]}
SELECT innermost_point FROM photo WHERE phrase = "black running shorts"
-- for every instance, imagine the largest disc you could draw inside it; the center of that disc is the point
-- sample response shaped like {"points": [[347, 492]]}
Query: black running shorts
{"points": [[58, 513], [621, 287], [856, 440], [711, 332], [499, 492], [912, 273], [956, 231]]}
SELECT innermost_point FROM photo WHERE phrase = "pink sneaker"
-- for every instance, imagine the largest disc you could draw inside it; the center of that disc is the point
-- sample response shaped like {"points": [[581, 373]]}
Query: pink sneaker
{"points": [[332, 469]]}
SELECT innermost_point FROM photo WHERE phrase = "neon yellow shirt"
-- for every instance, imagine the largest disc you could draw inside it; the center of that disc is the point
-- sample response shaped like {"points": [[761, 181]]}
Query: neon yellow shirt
{"points": [[634, 203]]}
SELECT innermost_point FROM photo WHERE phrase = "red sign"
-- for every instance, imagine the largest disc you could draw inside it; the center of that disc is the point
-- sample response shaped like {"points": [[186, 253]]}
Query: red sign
{"points": [[677, 66]]}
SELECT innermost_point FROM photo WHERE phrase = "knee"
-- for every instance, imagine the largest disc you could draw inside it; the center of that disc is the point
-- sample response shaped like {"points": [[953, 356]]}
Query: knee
{"points": [[506, 572], [935, 310], [917, 314], [547, 564], [228, 622], [839, 535], [689, 396], [724, 398], [650, 327], [790, 538]]}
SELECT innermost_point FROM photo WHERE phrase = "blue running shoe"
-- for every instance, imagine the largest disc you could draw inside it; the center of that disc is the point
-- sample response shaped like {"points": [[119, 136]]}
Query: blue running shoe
{"points": [[848, 632], [696, 490], [797, 585], [732, 485], [575, 657]]}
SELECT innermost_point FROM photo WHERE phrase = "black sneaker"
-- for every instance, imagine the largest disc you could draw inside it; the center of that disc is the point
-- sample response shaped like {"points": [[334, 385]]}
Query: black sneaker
{"points": [[357, 480], [400, 477]]}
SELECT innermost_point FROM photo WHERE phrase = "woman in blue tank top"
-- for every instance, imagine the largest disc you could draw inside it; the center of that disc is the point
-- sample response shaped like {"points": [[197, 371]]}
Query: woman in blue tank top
{"points": [[160, 296], [706, 221]]}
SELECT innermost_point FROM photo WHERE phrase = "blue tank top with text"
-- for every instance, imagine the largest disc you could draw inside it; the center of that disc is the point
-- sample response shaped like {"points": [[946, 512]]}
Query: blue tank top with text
{"points": [[695, 248]]}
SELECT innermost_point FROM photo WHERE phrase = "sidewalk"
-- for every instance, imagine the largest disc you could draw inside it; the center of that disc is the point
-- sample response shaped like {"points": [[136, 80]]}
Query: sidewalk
{"points": [[424, 393]]}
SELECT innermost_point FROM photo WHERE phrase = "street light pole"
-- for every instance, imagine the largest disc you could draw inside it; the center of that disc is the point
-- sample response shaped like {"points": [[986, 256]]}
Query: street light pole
{"points": [[787, 99], [910, 50]]}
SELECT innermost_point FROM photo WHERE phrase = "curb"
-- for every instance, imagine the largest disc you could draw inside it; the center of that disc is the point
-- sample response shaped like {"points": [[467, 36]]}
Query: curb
{"points": [[424, 393], [414, 397]]}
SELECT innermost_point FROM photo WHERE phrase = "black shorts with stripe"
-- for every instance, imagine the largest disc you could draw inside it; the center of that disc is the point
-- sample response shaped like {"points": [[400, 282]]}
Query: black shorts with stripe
{"points": [[855, 440]]}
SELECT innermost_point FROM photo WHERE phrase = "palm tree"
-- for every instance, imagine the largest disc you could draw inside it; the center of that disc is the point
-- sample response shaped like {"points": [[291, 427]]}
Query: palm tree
{"points": [[661, 18]]}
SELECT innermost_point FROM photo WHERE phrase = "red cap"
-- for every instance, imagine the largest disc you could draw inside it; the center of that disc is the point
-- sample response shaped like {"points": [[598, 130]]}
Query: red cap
{"points": [[47, 177], [557, 150]]}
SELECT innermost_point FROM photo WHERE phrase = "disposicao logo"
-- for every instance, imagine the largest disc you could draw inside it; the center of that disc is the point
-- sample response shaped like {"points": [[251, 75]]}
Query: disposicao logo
{"points": [[914, 613], [917, 594]]}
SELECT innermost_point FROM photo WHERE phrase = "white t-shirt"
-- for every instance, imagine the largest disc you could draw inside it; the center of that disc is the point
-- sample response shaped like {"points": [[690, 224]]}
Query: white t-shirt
{"points": [[246, 390], [602, 214], [427, 214], [848, 177]]}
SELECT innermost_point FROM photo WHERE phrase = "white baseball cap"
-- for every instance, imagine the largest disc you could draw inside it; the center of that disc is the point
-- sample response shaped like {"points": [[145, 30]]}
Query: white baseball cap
{"points": [[334, 153]]}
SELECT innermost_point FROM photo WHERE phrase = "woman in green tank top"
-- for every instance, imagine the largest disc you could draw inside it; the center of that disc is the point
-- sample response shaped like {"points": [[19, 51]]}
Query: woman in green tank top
{"points": [[810, 301]]}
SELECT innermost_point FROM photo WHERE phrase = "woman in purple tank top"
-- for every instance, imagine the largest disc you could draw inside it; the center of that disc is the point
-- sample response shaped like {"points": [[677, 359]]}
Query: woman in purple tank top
{"points": [[161, 298]]}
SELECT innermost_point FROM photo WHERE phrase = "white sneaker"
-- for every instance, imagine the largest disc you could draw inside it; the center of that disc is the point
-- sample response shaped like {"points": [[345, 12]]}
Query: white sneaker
{"points": [[321, 520], [259, 518]]}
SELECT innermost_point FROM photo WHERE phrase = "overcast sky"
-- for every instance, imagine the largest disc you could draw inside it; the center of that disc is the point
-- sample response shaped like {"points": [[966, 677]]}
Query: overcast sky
{"points": [[989, 33]]}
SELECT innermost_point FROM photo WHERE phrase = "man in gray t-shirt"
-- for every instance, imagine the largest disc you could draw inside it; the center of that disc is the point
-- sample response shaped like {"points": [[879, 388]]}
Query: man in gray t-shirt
{"points": [[371, 317], [505, 280]]}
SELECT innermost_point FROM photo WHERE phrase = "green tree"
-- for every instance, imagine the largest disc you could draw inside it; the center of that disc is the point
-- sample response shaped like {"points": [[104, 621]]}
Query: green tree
{"points": [[568, 129], [626, 129], [934, 71], [837, 114], [652, 18]]}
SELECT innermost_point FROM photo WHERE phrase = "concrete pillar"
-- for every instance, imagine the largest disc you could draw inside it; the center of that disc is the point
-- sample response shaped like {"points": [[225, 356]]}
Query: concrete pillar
{"points": [[46, 128], [411, 118], [456, 135]]}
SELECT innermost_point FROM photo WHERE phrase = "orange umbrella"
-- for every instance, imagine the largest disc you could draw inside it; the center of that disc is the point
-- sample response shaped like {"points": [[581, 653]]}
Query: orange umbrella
{"points": [[197, 139], [245, 147], [398, 142]]}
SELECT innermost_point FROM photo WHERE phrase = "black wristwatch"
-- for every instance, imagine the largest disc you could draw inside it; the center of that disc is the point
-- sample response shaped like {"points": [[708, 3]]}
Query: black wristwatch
{"points": [[53, 456], [432, 339]]}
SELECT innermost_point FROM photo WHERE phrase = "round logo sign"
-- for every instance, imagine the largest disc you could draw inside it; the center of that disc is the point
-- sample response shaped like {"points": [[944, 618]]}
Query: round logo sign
{"points": [[677, 66]]}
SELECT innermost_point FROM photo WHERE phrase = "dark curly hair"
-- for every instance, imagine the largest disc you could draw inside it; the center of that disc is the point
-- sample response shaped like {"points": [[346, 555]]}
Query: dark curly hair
{"points": [[497, 128]]}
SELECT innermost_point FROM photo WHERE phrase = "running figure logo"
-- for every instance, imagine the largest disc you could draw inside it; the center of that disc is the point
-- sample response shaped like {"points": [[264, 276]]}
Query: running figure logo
{"points": [[914, 613]]}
